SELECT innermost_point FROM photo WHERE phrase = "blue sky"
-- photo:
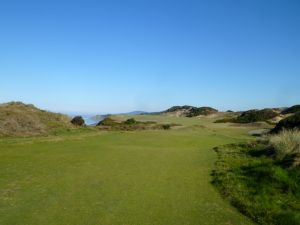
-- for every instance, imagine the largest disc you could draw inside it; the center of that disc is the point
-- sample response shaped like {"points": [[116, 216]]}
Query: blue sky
{"points": [[117, 56]]}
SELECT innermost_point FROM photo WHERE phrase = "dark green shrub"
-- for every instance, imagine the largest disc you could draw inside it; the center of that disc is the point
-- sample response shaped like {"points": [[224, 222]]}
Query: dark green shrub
{"points": [[166, 126], [130, 121], [78, 121]]}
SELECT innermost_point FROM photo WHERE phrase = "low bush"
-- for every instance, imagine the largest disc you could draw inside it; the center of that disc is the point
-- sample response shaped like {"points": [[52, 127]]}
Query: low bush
{"points": [[225, 120], [78, 121], [107, 122], [131, 125], [130, 121], [166, 126]]}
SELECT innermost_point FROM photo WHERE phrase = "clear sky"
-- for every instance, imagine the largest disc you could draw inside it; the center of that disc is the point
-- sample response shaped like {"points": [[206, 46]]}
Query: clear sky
{"points": [[117, 56]]}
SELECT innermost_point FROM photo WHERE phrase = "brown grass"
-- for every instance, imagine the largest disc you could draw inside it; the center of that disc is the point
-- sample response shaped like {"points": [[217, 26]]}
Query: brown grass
{"points": [[18, 119]]}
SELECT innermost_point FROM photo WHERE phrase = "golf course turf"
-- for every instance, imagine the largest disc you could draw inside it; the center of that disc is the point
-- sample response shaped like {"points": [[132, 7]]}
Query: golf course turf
{"points": [[118, 178]]}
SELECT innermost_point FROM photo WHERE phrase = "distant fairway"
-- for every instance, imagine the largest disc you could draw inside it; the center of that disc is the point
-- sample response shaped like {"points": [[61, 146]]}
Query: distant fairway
{"points": [[117, 178]]}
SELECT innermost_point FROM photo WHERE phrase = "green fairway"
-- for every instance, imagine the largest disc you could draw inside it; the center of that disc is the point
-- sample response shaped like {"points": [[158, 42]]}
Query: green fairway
{"points": [[117, 178]]}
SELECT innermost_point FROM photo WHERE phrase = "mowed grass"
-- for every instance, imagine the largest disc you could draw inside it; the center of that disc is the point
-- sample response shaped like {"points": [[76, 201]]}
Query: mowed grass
{"points": [[117, 178]]}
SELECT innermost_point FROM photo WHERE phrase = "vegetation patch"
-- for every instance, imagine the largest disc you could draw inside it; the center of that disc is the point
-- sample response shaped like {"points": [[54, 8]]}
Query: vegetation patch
{"points": [[177, 108], [204, 111], [286, 146], [78, 121], [132, 124], [256, 179], [191, 111], [291, 122], [293, 109], [252, 116], [19, 119]]}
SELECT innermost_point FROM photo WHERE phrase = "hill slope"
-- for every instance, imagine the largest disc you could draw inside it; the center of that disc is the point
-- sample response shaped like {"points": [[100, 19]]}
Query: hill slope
{"points": [[19, 119], [190, 111], [293, 109], [291, 122], [252, 116]]}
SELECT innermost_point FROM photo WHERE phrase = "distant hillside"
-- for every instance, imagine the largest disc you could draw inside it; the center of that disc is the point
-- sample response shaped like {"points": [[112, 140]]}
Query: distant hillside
{"points": [[98, 118], [293, 109], [101, 117], [135, 113], [19, 119], [252, 116], [190, 111], [291, 122], [256, 116]]}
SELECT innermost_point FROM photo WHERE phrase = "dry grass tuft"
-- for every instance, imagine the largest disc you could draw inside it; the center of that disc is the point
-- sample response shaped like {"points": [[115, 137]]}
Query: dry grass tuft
{"points": [[287, 146]]}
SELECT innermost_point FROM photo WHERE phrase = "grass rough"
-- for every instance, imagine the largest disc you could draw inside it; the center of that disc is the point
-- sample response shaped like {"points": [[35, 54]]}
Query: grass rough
{"points": [[259, 187]]}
